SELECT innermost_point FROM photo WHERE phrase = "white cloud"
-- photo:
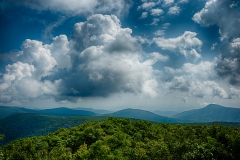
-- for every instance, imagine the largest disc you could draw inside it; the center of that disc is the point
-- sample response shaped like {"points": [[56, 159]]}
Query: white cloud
{"points": [[33, 52], [144, 15], [59, 50], [101, 59], [150, 87], [195, 80], [219, 13], [158, 57], [184, 44], [159, 33], [112, 58], [117, 7], [165, 25], [214, 46], [142, 40], [17, 71], [168, 2], [146, 5], [98, 30], [157, 12], [155, 21], [193, 55], [27, 77], [154, 57], [234, 93], [19, 84], [235, 44], [175, 10], [226, 15], [183, 1], [202, 71]]}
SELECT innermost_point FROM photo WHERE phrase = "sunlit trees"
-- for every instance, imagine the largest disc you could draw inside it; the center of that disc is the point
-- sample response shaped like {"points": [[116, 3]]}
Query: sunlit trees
{"points": [[117, 138]]}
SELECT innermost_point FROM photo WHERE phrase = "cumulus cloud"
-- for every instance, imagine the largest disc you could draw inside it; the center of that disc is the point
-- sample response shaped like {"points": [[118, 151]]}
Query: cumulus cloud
{"points": [[101, 59], [150, 87], [226, 15], [168, 2], [185, 44], [197, 80], [117, 7], [223, 14], [183, 1], [202, 71], [109, 59], [157, 56], [214, 46], [165, 25], [228, 64], [159, 33], [60, 51], [33, 52], [155, 22], [157, 12], [20, 83], [26, 78], [154, 57], [144, 15], [175, 10], [17, 71], [147, 5], [234, 93]]}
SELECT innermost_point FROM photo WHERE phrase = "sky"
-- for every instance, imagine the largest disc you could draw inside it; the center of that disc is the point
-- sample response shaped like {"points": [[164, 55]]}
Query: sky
{"points": [[116, 54]]}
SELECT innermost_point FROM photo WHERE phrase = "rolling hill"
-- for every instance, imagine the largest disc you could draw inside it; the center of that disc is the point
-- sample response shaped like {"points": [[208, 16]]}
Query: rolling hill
{"points": [[66, 112], [7, 111], [30, 124], [117, 138], [62, 111], [143, 114], [211, 113], [98, 111]]}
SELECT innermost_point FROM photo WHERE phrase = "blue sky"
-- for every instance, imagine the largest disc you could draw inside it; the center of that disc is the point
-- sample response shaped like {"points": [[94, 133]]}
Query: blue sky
{"points": [[114, 54]]}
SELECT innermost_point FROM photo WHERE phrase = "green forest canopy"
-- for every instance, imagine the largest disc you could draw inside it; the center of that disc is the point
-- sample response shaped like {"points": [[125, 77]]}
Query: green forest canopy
{"points": [[117, 138]]}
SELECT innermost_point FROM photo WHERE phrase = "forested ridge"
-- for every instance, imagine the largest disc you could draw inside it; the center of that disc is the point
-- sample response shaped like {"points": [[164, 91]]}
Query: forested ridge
{"points": [[117, 138], [30, 124]]}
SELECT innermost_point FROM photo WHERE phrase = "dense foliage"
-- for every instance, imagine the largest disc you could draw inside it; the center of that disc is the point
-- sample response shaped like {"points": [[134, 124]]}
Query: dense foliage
{"points": [[30, 124], [125, 139]]}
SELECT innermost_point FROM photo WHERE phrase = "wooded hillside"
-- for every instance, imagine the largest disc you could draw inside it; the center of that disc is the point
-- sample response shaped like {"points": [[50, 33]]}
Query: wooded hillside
{"points": [[117, 138]]}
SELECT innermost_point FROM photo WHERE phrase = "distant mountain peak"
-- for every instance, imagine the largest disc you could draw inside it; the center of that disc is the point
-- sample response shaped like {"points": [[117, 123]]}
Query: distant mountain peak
{"points": [[211, 113], [214, 106]]}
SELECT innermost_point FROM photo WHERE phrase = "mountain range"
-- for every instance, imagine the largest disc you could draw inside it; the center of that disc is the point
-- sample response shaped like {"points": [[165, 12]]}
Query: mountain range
{"points": [[62, 111], [22, 125], [17, 122], [210, 113]]}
